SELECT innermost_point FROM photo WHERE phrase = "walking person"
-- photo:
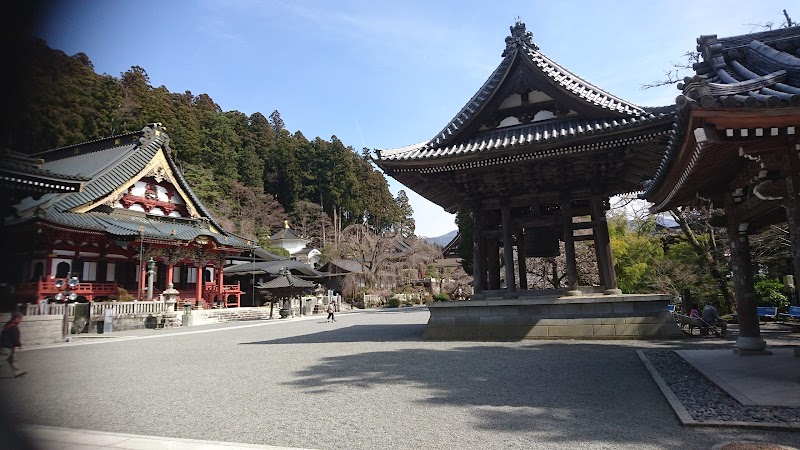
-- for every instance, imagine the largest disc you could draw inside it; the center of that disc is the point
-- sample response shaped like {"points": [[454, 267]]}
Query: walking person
{"points": [[10, 341], [330, 311]]}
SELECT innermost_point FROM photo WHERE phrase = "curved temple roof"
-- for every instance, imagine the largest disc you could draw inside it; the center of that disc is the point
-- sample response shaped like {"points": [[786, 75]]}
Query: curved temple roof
{"points": [[108, 164], [530, 122], [520, 47], [754, 72]]}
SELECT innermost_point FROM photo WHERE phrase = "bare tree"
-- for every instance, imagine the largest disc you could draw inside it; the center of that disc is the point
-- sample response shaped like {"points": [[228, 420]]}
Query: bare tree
{"points": [[708, 250], [385, 257], [686, 64]]}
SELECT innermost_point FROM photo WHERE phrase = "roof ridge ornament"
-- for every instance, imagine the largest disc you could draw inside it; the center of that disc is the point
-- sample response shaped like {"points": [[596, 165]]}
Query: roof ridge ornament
{"points": [[520, 37]]}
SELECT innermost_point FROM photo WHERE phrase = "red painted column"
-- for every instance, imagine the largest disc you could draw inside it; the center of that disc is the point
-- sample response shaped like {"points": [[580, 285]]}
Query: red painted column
{"points": [[199, 286], [142, 276], [170, 268], [221, 289]]}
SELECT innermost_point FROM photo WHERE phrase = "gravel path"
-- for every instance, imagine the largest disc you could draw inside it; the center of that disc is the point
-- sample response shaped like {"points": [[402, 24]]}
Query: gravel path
{"points": [[367, 381]]}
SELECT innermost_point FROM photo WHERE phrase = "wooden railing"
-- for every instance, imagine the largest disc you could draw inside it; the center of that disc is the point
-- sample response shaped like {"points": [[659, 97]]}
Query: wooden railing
{"points": [[44, 289]]}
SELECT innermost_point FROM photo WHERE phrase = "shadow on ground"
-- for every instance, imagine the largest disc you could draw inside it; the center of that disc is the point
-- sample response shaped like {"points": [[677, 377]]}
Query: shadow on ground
{"points": [[354, 333], [557, 391]]}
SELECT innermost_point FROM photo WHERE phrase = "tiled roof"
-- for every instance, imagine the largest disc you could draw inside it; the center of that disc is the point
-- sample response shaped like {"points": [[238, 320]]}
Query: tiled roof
{"points": [[286, 281], [520, 135], [755, 71], [519, 46], [134, 224], [287, 233], [108, 165], [348, 265], [12, 162], [274, 268]]}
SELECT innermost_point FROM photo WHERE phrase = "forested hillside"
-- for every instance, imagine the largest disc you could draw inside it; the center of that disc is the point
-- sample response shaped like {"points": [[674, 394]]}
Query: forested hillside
{"points": [[250, 170]]}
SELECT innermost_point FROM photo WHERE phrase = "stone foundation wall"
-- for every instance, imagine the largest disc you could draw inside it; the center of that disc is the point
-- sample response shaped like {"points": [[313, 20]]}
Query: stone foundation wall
{"points": [[584, 317], [37, 330]]}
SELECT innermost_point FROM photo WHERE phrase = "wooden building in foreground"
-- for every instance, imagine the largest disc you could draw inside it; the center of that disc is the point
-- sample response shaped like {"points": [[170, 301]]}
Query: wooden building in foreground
{"points": [[129, 204], [533, 150], [736, 147], [533, 154]]}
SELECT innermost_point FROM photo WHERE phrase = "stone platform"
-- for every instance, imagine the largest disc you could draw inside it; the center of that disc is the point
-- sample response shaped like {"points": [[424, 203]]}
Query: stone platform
{"points": [[589, 316]]}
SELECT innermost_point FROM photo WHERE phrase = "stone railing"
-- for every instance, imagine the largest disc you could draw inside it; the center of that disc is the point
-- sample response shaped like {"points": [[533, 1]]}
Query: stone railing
{"points": [[372, 300], [98, 308], [47, 309]]}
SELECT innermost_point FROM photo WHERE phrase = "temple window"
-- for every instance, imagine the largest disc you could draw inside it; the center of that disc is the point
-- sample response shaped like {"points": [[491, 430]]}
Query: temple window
{"points": [[89, 271], [62, 269]]}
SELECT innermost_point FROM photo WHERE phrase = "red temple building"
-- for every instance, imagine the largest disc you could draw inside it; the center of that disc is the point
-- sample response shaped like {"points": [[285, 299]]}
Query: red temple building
{"points": [[129, 204]]}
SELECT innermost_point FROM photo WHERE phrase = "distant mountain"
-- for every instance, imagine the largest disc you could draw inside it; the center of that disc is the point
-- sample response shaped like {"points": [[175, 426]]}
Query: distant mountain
{"points": [[443, 239]]}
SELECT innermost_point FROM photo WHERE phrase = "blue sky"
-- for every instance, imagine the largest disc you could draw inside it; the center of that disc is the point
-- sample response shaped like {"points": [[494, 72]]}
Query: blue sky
{"points": [[382, 74]]}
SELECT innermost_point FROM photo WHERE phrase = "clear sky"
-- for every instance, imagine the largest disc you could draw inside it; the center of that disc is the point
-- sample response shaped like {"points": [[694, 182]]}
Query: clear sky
{"points": [[382, 74]]}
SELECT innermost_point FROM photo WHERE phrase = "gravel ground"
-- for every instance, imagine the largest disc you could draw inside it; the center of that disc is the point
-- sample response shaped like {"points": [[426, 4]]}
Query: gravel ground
{"points": [[367, 381], [704, 400]]}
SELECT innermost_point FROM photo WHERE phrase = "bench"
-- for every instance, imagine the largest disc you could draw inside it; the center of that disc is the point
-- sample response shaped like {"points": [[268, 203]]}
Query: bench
{"points": [[764, 312], [767, 311], [691, 322], [794, 313], [696, 322]]}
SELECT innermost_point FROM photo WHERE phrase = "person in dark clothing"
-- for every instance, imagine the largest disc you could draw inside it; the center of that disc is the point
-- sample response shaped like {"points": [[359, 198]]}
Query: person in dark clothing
{"points": [[711, 317], [10, 340]]}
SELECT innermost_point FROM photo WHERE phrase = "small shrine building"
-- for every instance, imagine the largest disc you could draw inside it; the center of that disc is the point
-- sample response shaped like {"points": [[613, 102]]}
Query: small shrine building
{"points": [[296, 245], [535, 151], [736, 146], [134, 206]]}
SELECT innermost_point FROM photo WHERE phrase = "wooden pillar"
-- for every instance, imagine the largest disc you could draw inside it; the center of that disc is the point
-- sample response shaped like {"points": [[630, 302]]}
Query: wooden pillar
{"points": [[523, 270], [220, 286], [493, 253], [478, 258], [791, 170], [743, 286], [170, 269], [48, 272], [102, 267], [569, 244], [142, 276], [602, 242], [199, 285], [508, 252]]}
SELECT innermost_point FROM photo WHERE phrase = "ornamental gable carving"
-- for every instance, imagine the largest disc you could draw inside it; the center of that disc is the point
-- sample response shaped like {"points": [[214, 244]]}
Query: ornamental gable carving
{"points": [[153, 195]]}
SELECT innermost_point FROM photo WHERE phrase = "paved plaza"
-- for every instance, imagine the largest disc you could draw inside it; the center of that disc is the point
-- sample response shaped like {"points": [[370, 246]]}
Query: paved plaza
{"points": [[367, 381]]}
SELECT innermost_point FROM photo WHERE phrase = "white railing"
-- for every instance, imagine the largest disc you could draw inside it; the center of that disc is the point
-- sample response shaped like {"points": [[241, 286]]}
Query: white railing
{"points": [[372, 300], [98, 308], [134, 308], [44, 309]]}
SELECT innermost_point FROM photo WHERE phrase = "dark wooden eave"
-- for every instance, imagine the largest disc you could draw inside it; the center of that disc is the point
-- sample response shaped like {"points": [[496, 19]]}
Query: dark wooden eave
{"points": [[530, 127], [735, 117]]}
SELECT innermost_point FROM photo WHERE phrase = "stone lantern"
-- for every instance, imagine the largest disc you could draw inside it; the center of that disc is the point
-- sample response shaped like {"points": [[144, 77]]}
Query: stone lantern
{"points": [[170, 298]]}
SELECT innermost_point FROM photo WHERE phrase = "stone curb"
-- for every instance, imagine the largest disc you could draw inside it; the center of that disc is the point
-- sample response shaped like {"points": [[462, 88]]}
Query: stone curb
{"points": [[93, 340], [686, 419], [69, 438]]}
